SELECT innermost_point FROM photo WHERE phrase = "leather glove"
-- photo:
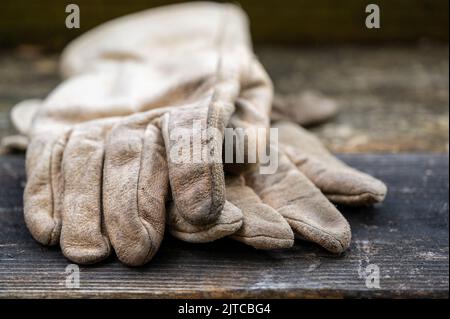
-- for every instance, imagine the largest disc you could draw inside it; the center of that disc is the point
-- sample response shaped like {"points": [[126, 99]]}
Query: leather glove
{"points": [[103, 182], [306, 108], [296, 199], [86, 174], [77, 194]]}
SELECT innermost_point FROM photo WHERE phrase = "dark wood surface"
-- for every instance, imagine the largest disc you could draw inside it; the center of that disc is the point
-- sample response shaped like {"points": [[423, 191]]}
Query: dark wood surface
{"points": [[406, 237]]}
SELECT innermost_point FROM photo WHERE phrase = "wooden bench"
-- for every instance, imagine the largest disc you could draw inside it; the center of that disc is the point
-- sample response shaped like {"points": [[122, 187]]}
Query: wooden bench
{"points": [[392, 99], [406, 238]]}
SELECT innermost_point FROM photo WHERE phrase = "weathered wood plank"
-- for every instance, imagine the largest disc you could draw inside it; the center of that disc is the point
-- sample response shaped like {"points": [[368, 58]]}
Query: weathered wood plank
{"points": [[407, 237], [392, 98]]}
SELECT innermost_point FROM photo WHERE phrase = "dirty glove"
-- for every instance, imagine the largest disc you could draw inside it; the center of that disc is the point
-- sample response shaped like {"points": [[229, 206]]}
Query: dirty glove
{"points": [[306, 108], [85, 175], [103, 182], [77, 194], [296, 199]]}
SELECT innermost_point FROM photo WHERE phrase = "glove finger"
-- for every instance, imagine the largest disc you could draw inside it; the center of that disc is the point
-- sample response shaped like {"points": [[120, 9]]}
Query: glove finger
{"points": [[198, 183], [307, 211], [252, 113], [340, 183], [23, 113], [262, 227], [83, 238], [244, 217], [229, 221], [134, 192], [196, 180], [307, 108], [255, 99], [43, 191], [13, 143]]}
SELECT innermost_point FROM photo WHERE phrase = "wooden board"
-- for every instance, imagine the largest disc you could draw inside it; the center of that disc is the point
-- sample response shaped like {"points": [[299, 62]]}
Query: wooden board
{"points": [[406, 237]]}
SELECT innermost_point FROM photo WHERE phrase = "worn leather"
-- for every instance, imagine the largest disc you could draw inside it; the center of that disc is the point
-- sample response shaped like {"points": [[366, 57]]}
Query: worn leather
{"points": [[260, 225], [95, 181], [340, 183], [305, 108], [98, 177], [275, 206], [300, 195]]}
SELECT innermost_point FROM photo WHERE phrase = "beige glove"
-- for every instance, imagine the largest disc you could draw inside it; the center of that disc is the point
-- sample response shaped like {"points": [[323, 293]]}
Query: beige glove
{"points": [[296, 197], [92, 183], [78, 196], [114, 168], [306, 108]]}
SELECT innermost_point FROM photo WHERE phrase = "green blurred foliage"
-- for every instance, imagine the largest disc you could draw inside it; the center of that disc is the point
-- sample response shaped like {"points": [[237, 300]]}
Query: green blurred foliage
{"points": [[282, 22]]}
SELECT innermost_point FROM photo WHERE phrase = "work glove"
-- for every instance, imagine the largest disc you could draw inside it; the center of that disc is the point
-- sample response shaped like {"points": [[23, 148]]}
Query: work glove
{"points": [[96, 177], [298, 199], [306, 108]]}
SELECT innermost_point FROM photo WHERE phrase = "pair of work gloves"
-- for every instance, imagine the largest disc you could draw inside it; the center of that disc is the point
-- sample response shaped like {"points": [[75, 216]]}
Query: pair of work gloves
{"points": [[101, 164]]}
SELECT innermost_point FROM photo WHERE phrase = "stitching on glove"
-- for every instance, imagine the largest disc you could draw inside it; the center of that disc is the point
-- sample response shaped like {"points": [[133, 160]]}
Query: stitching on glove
{"points": [[152, 247], [212, 121], [262, 236], [103, 230], [57, 142], [352, 195], [50, 166]]}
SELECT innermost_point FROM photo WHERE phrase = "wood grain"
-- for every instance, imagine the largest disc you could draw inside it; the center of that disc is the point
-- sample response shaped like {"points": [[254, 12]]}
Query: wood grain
{"points": [[407, 237]]}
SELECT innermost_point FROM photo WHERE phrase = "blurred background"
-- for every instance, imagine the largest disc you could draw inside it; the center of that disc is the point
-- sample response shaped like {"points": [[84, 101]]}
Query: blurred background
{"points": [[391, 83], [276, 22]]}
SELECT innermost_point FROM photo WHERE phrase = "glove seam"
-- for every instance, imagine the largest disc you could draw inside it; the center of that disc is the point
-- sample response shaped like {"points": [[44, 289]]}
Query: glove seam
{"points": [[261, 236], [202, 231], [317, 229], [352, 195], [52, 195], [142, 220]]}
